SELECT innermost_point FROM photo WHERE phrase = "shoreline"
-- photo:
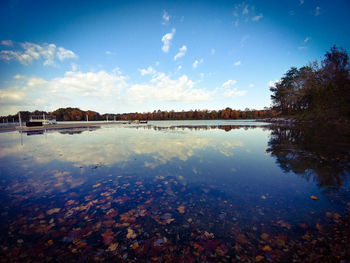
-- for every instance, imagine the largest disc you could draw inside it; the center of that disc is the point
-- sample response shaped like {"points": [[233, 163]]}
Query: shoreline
{"points": [[56, 126], [274, 121]]}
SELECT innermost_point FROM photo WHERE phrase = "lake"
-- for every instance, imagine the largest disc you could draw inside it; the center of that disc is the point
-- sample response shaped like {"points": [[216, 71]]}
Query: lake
{"points": [[190, 191]]}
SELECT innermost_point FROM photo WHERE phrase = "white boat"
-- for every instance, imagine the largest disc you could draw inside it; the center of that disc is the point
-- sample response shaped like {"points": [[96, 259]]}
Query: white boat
{"points": [[40, 120]]}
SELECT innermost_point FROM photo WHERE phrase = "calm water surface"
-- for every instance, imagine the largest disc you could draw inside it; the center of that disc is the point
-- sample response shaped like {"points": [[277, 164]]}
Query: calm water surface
{"points": [[192, 191]]}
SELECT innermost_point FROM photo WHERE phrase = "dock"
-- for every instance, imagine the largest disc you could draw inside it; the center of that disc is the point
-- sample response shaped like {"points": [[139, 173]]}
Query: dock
{"points": [[57, 126]]}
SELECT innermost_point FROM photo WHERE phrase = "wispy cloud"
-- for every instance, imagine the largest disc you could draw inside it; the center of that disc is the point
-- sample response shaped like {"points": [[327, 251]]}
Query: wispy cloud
{"points": [[165, 17], [166, 39], [197, 62], [230, 91], [31, 52], [243, 12], [301, 2], [147, 71], [241, 9], [257, 18], [74, 66], [317, 11], [63, 54], [212, 51], [229, 83], [244, 40], [251, 85], [272, 83], [109, 53], [237, 63], [181, 53], [8, 43], [307, 39]]}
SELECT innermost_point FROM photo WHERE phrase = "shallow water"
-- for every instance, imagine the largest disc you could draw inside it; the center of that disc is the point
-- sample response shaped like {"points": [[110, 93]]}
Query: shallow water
{"points": [[170, 191]]}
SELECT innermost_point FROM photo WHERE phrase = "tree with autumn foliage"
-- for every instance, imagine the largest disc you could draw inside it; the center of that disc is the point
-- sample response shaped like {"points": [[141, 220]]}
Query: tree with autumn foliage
{"points": [[317, 92]]}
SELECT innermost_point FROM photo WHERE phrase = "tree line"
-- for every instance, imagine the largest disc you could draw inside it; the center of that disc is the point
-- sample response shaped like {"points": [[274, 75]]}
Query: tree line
{"points": [[316, 91], [76, 114]]}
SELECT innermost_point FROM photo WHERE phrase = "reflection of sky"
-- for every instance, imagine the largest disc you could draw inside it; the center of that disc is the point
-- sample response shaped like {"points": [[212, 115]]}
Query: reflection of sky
{"points": [[233, 162], [214, 156], [110, 146]]}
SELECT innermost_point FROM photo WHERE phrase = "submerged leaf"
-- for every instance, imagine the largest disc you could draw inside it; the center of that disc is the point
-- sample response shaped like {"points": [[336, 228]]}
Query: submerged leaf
{"points": [[264, 236], [113, 247], [181, 209], [267, 248], [53, 211], [259, 258], [131, 234], [313, 197], [108, 236]]}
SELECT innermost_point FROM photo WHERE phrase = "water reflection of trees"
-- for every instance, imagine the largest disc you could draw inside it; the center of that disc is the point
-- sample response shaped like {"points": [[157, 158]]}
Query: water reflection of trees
{"points": [[199, 127], [317, 152]]}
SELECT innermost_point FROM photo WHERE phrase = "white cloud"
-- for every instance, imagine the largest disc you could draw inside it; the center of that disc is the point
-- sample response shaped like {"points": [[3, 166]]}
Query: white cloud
{"points": [[164, 89], [109, 53], [89, 90], [8, 96], [18, 76], [301, 2], [30, 52], [229, 83], [100, 91], [197, 62], [212, 51], [257, 18], [272, 83], [244, 40], [251, 85], [230, 93], [307, 39], [74, 66], [244, 13], [147, 71], [237, 63], [165, 17], [245, 10], [179, 67], [241, 8], [182, 52], [166, 39], [317, 11], [8, 43], [63, 54]]}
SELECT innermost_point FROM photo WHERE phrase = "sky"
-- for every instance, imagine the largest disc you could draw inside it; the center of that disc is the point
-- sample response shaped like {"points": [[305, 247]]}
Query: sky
{"points": [[141, 56]]}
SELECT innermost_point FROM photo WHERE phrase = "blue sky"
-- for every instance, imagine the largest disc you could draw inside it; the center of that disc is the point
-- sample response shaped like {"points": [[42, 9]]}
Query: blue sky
{"points": [[140, 56]]}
